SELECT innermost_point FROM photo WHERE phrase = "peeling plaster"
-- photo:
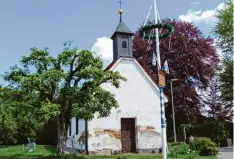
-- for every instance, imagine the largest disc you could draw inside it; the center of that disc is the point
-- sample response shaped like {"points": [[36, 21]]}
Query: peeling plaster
{"points": [[109, 140], [112, 133], [82, 137], [148, 138], [104, 139]]}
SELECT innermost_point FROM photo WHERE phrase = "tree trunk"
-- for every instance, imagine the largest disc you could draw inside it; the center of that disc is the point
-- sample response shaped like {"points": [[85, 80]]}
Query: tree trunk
{"points": [[62, 134], [86, 137]]}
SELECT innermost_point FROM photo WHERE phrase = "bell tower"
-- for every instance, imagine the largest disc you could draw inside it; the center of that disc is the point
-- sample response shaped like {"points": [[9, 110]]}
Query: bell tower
{"points": [[122, 39]]}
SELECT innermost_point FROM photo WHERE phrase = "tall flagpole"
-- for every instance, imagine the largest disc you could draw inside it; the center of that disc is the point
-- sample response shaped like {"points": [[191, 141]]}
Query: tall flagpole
{"points": [[163, 122], [157, 38]]}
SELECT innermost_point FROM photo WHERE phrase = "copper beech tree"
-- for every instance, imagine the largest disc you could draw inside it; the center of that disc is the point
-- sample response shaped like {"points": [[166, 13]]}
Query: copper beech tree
{"points": [[191, 58]]}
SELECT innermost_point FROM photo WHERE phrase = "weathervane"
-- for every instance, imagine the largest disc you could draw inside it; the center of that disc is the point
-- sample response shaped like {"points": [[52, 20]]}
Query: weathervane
{"points": [[120, 10]]}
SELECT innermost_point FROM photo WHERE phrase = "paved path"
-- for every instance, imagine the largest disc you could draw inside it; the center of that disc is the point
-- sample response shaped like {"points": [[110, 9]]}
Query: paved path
{"points": [[226, 153]]}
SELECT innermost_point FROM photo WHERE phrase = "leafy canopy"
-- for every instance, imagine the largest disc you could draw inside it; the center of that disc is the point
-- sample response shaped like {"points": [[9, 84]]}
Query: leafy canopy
{"points": [[69, 85], [226, 79], [21, 116], [223, 30], [60, 88]]}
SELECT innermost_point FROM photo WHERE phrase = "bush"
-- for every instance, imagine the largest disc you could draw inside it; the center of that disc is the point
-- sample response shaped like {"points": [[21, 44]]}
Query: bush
{"points": [[204, 146], [215, 130], [223, 143], [177, 149], [175, 144]]}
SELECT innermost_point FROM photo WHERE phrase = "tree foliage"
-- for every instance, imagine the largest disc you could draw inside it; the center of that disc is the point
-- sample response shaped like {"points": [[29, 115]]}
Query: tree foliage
{"points": [[212, 128], [66, 86], [223, 30], [21, 115], [217, 109], [226, 79], [8, 124], [191, 58]]}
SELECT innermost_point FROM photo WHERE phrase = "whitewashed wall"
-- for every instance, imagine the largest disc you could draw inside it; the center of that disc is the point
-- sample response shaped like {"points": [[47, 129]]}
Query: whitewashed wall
{"points": [[138, 99], [76, 141]]}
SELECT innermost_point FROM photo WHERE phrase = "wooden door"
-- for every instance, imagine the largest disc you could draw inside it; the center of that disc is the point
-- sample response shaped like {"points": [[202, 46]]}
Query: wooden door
{"points": [[128, 135]]}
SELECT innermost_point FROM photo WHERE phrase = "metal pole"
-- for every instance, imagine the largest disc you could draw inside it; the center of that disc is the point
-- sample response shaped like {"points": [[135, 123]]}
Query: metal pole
{"points": [[163, 121], [173, 113], [156, 34], [163, 125], [147, 16]]}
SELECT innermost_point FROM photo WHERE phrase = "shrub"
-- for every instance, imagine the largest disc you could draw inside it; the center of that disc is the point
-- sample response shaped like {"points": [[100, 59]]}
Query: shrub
{"points": [[204, 146], [175, 144], [192, 154], [177, 149], [215, 130]]}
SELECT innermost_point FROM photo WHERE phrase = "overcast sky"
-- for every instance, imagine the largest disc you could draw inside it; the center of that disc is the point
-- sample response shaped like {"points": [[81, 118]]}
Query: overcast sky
{"points": [[88, 23]]}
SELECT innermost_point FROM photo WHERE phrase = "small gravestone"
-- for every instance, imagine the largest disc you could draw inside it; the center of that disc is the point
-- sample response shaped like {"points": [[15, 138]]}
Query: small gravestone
{"points": [[191, 139], [31, 145]]}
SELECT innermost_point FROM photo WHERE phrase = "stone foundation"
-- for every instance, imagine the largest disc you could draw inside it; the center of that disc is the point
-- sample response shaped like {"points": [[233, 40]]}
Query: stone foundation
{"points": [[110, 152], [147, 151]]}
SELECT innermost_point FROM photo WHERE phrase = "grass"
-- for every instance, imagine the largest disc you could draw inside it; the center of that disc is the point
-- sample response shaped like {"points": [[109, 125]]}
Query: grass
{"points": [[48, 152], [18, 152], [143, 157]]}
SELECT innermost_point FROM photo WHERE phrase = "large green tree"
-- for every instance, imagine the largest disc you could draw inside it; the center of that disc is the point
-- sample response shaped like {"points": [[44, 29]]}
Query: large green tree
{"points": [[226, 80], [223, 32], [8, 122], [21, 115], [66, 86]]}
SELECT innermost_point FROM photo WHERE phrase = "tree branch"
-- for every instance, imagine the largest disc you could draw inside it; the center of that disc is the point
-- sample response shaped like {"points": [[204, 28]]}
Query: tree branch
{"points": [[71, 72], [92, 84], [76, 82]]}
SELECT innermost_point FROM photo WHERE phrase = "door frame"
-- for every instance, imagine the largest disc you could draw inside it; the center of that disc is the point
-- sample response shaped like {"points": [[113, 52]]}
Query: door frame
{"points": [[135, 131]]}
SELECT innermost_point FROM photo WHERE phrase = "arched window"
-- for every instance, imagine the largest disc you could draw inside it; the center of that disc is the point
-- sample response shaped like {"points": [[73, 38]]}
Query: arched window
{"points": [[124, 44]]}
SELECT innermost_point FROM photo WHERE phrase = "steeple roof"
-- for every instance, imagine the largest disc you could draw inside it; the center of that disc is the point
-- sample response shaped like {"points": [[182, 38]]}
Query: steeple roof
{"points": [[122, 28]]}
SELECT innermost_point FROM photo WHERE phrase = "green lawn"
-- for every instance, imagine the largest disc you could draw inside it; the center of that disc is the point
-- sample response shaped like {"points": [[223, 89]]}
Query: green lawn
{"points": [[48, 152], [19, 152], [143, 157]]}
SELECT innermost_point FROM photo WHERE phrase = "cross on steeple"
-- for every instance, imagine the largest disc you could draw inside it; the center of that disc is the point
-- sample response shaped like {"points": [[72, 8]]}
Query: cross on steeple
{"points": [[120, 10], [120, 4], [122, 38]]}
